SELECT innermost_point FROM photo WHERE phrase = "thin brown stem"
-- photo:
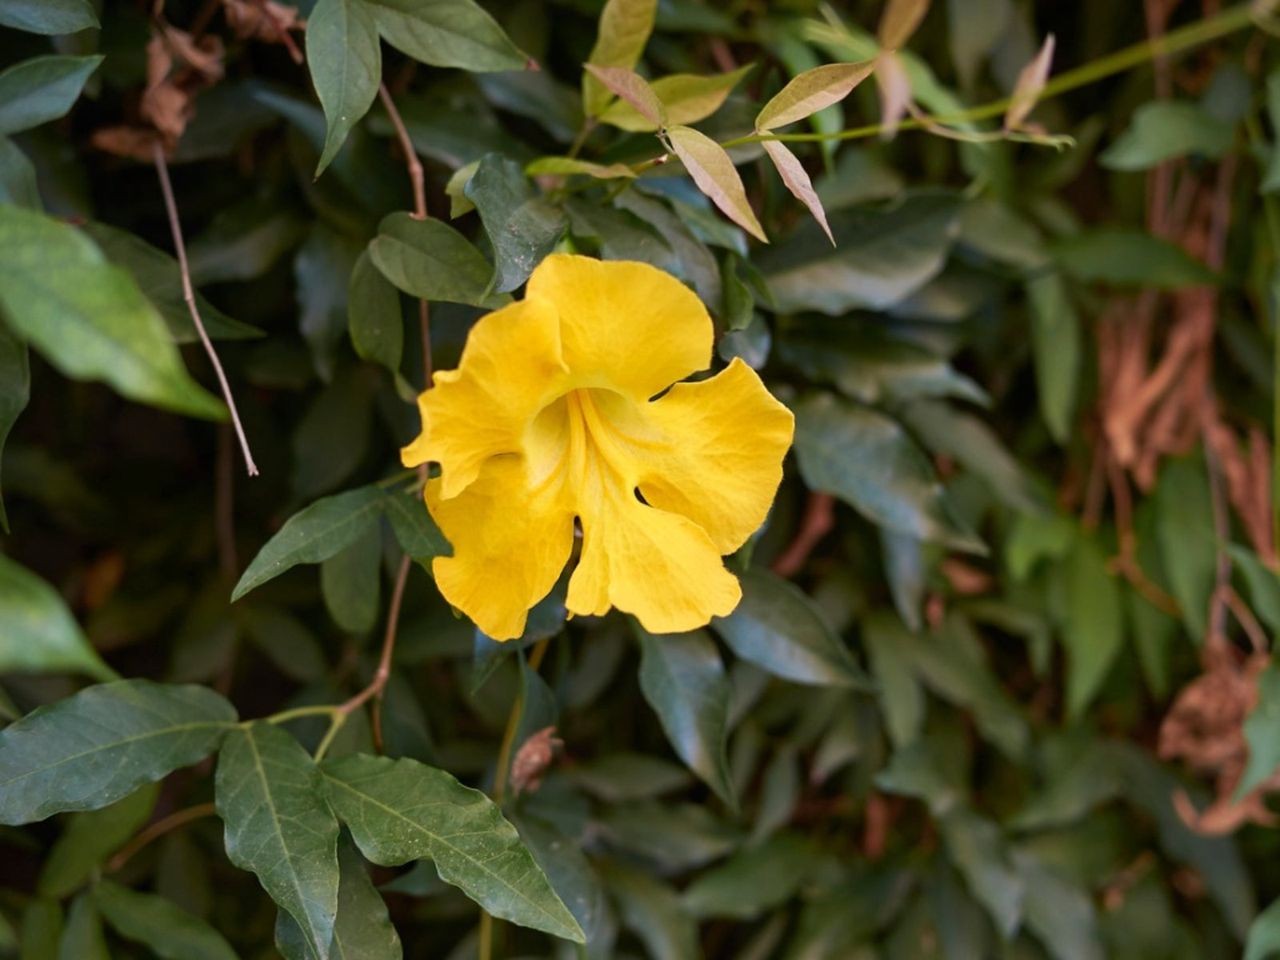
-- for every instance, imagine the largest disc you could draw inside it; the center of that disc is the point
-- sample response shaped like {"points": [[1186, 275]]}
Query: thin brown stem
{"points": [[411, 160], [189, 295], [157, 830], [383, 673]]}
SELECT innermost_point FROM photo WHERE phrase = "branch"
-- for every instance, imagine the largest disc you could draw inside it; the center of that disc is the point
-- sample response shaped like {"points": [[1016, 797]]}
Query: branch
{"points": [[157, 830], [189, 295]]}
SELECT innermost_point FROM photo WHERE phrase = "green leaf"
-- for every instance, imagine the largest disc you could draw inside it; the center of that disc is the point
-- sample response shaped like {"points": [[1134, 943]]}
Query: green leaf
{"points": [[431, 260], [402, 810], [91, 749], [345, 58], [753, 880], [1094, 631], [1264, 584], [568, 166], [447, 33], [1056, 347], [1058, 912], [322, 268], [686, 97], [350, 582], [91, 837], [810, 91], [1129, 258], [618, 777], [82, 937], [682, 679], [17, 177], [88, 317], [41, 89], [285, 641], [714, 174], [158, 923], [571, 875], [413, 526], [50, 17], [270, 797], [41, 930], [1264, 934], [1164, 129], [1271, 179], [1262, 732], [653, 912], [522, 226], [373, 315], [881, 257], [776, 626], [625, 26], [869, 461], [38, 632], [363, 930], [1188, 543], [312, 535], [977, 849], [159, 278], [902, 698]]}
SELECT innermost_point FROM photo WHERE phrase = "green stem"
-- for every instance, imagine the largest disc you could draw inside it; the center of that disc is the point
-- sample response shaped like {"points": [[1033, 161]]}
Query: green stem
{"points": [[335, 724], [1184, 38], [485, 950], [284, 716]]}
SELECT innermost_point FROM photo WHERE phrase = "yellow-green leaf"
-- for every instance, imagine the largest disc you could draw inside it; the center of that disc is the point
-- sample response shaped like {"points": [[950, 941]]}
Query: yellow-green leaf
{"points": [[796, 179], [634, 90], [899, 21], [713, 171], [688, 98], [625, 26], [567, 166], [811, 91]]}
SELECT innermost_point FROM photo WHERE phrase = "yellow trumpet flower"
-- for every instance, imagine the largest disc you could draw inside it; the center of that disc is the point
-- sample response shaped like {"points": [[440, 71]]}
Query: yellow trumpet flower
{"points": [[551, 415]]}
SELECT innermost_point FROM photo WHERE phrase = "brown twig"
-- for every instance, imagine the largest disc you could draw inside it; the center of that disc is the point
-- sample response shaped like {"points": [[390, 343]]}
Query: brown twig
{"points": [[819, 519], [189, 295], [159, 829]]}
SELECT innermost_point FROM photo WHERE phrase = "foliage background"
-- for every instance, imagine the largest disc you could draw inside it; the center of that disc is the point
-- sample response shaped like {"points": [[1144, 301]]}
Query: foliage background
{"points": [[997, 697]]}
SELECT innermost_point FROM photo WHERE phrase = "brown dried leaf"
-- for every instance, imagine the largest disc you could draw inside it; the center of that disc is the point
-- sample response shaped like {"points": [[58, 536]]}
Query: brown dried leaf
{"points": [[533, 758], [136, 143], [263, 20]]}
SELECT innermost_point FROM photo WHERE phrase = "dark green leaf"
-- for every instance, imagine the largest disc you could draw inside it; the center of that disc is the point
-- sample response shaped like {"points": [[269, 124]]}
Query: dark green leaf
{"points": [[869, 461], [1264, 584], [1055, 344], [37, 631], [776, 626], [901, 695], [1262, 731], [17, 177], [653, 911], [402, 810], [321, 268], [522, 226], [431, 260], [312, 535], [447, 33], [285, 641], [1129, 258], [346, 66], [41, 89], [753, 880], [41, 930], [270, 798], [978, 850], [618, 777], [676, 838], [413, 526], [350, 582], [683, 680], [570, 873], [82, 937], [88, 317], [373, 315], [1164, 129], [332, 438], [880, 257], [159, 278], [91, 749], [363, 930], [1264, 934], [51, 17], [1058, 912], [90, 837], [1188, 544], [1095, 623], [162, 926]]}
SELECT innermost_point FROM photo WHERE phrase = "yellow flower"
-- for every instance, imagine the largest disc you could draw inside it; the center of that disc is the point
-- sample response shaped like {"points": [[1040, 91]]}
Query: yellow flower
{"points": [[550, 416]]}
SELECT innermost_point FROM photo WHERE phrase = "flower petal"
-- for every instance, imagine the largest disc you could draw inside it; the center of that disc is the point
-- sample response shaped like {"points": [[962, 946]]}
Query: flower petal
{"points": [[659, 566], [510, 369], [510, 544], [721, 460], [624, 325]]}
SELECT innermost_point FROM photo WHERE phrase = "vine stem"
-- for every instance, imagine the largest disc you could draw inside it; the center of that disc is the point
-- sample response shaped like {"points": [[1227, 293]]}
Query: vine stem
{"points": [[536, 655], [189, 295], [157, 830], [1174, 42]]}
